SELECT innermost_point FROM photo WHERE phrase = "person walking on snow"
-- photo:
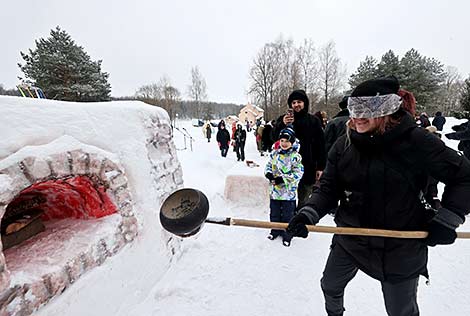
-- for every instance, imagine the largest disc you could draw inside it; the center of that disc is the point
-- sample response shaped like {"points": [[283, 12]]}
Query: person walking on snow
{"points": [[377, 171], [223, 140], [284, 171], [208, 132], [240, 139]]}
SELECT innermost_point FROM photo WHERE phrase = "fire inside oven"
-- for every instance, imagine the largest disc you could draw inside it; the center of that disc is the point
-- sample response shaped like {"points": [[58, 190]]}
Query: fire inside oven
{"points": [[77, 197]]}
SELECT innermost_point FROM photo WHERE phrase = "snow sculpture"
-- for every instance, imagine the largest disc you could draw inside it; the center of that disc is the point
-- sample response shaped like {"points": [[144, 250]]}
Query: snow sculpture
{"points": [[79, 182]]}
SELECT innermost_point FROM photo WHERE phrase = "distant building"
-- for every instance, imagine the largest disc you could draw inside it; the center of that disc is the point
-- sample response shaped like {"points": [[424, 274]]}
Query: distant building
{"points": [[250, 113]]}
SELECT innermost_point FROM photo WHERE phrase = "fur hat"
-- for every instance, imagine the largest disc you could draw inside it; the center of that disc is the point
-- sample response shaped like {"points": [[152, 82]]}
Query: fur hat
{"points": [[287, 133], [298, 95]]}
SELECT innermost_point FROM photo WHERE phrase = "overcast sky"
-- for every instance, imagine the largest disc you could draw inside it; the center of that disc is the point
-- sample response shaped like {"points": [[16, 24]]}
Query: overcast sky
{"points": [[140, 41]]}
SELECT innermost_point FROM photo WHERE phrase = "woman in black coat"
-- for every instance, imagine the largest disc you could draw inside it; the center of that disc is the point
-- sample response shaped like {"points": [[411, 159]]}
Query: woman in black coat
{"points": [[377, 172]]}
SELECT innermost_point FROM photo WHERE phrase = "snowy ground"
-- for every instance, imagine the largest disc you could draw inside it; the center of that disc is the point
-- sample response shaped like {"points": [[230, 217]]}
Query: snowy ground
{"points": [[235, 271]]}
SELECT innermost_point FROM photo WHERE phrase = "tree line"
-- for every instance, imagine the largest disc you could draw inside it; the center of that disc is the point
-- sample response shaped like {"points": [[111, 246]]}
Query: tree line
{"points": [[280, 67], [64, 71]]}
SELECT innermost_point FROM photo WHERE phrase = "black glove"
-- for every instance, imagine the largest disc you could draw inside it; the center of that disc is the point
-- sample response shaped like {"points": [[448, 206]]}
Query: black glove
{"points": [[278, 180], [451, 136], [305, 216], [442, 227], [439, 234], [269, 176]]}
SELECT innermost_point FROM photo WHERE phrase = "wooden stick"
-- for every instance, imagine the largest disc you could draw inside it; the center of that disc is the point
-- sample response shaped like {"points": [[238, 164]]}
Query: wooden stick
{"points": [[339, 230]]}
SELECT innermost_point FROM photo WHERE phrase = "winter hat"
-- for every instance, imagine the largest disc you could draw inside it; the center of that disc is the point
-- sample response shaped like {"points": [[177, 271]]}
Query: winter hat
{"points": [[375, 98], [288, 133], [343, 104], [298, 95]]}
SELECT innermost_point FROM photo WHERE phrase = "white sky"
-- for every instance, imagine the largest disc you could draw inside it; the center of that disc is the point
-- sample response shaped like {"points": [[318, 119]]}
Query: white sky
{"points": [[140, 41]]}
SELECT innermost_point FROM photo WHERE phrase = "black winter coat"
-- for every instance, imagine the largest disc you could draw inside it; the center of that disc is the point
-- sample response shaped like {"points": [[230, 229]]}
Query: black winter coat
{"points": [[377, 180], [308, 130], [335, 128], [240, 137], [266, 136], [462, 133], [223, 137], [439, 122]]}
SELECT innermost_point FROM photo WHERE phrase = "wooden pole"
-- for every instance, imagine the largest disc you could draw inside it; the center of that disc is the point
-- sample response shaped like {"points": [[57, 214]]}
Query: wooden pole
{"points": [[337, 230]]}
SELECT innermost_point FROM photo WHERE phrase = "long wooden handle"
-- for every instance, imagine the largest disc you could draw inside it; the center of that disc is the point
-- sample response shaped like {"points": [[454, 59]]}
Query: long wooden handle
{"points": [[340, 230]]}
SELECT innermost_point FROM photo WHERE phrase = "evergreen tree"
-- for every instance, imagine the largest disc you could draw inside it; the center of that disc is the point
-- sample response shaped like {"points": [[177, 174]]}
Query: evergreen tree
{"points": [[389, 65], [465, 95], [367, 70], [422, 76], [64, 71]]}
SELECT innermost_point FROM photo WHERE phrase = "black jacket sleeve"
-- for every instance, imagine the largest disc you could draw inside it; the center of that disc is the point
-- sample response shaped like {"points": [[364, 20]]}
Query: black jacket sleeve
{"points": [[447, 166]]}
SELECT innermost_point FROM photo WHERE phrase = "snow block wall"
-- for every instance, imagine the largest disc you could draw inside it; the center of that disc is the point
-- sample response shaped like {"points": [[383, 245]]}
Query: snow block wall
{"points": [[98, 173]]}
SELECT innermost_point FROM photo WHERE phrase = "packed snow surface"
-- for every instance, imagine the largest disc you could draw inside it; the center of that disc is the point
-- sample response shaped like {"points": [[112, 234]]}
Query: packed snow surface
{"points": [[235, 271]]}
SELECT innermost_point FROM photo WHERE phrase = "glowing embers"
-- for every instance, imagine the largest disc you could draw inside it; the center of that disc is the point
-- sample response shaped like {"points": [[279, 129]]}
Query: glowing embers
{"points": [[78, 197]]}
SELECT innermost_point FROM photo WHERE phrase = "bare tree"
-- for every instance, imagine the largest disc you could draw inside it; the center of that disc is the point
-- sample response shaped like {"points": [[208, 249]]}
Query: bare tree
{"points": [[307, 61], [149, 91], [331, 73], [197, 90], [450, 91], [265, 75], [169, 96]]}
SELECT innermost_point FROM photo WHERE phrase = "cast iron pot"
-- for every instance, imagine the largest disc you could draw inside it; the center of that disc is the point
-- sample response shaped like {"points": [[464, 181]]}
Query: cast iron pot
{"points": [[183, 213]]}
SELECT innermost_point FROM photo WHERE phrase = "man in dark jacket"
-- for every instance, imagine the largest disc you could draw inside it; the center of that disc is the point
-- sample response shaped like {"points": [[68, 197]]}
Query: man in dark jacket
{"points": [[240, 139], [337, 125], [377, 174], [308, 130], [439, 120], [223, 140]]}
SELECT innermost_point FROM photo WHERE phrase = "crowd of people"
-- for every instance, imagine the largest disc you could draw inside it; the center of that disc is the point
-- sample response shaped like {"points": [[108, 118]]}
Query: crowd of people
{"points": [[375, 164]]}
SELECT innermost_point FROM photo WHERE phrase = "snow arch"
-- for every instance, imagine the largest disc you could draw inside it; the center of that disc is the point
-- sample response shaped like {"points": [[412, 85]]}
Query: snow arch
{"points": [[69, 187], [121, 152]]}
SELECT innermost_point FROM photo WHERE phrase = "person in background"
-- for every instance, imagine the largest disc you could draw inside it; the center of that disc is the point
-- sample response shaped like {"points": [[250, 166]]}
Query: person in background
{"points": [[208, 132], [461, 133], [439, 120], [240, 139], [259, 136], [336, 127], [223, 140], [266, 140], [308, 130], [378, 173], [284, 171], [423, 120]]}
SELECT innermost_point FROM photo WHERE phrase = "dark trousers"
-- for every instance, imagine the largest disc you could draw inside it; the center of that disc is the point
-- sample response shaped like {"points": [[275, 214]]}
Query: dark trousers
{"points": [[400, 298], [240, 149], [223, 151], [281, 211], [304, 191]]}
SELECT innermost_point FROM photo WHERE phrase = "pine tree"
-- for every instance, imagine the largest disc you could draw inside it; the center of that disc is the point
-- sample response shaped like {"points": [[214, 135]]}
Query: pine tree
{"points": [[367, 70], [423, 76], [465, 95], [389, 65], [64, 71]]}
